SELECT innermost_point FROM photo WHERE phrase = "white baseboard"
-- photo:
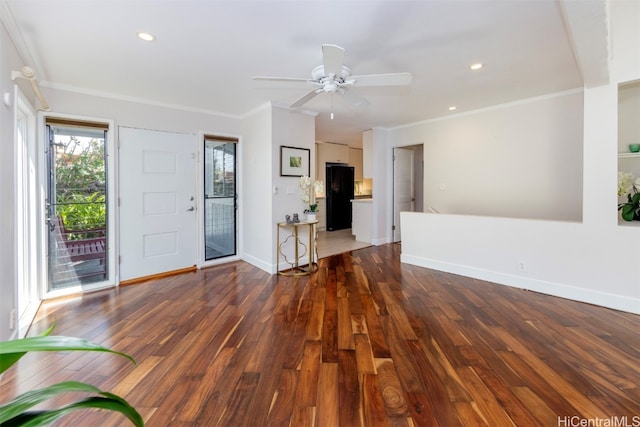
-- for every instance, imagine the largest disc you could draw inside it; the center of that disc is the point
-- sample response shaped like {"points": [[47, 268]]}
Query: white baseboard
{"points": [[271, 268], [616, 302], [259, 263], [381, 241]]}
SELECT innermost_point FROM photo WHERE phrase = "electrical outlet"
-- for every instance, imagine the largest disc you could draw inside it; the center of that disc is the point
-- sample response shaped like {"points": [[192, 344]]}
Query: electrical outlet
{"points": [[12, 319], [522, 266]]}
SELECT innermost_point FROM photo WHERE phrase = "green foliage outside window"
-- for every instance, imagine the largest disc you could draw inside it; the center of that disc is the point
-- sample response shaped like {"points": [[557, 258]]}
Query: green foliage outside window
{"points": [[81, 184]]}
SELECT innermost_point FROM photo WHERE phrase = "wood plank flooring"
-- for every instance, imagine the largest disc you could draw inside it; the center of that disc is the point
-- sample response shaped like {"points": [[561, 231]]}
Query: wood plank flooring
{"points": [[365, 341]]}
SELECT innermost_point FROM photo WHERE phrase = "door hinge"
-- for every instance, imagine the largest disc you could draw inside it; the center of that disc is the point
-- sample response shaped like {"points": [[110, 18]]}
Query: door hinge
{"points": [[393, 228], [119, 259]]}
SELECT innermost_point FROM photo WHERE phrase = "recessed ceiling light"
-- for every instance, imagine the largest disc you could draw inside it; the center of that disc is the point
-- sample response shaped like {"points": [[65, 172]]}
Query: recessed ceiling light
{"points": [[453, 107], [476, 66], [146, 37]]}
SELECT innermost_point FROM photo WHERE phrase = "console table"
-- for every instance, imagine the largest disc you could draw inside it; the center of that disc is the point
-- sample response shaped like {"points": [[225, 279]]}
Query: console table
{"points": [[300, 250]]}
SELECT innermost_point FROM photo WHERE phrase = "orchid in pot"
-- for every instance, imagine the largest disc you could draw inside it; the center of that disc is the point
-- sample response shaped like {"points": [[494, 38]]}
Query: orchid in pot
{"points": [[309, 189], [631, 188]]}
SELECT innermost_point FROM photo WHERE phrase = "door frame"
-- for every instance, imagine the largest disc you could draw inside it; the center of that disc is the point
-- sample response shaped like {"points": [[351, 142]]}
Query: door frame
{"points": [[29, 269], [112, 197], [201, 262], [418, 181]]}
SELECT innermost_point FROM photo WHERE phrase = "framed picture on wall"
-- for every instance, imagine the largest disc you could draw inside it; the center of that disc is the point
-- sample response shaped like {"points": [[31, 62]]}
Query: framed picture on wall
{"points": [[294, 161]]}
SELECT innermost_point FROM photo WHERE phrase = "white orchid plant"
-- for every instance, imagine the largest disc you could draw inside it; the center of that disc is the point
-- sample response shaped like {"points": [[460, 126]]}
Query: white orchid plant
{"points": [[629, 187], [309, 189]]}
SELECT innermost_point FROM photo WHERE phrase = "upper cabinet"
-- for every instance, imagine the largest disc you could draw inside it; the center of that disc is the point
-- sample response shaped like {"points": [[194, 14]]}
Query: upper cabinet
{"points": [[367, 154], [329, 152]]}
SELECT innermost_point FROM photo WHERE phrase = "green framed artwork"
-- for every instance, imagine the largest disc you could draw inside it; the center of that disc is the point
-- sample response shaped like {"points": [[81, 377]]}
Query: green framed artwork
{"points": [[294, 161]]}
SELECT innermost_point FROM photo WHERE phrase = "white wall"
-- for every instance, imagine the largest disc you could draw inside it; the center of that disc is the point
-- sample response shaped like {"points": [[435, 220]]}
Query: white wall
{"points": [[625, 38], [595, 261], [257, 177], [597, 265], [139, 115], [292, 129], [521, 160], [382, 179]]}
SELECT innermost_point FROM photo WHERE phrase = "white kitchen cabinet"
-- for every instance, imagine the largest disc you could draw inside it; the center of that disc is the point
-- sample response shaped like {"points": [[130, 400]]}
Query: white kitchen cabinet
{"points": [[362, 220], [329, 152]]}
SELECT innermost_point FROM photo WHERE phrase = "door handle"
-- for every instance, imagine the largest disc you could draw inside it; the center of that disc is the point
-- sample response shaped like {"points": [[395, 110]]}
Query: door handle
{"points": [[190, 209]]}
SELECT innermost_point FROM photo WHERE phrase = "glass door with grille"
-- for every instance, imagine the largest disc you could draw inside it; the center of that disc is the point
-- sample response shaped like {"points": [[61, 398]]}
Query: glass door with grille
{"points": [[76, 205], [220, 219]]}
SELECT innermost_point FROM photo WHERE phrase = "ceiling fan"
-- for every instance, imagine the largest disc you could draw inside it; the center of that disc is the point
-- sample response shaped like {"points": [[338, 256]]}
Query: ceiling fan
{"points": [[335, 77]]}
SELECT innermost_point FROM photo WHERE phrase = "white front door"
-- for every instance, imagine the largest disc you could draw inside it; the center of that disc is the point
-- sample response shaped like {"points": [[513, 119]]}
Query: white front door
{"points": [[158, 220], [403, 186]]}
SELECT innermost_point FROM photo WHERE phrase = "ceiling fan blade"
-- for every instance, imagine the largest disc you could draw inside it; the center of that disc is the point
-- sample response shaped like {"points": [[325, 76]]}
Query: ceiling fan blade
{"points": [[282, 79], [354, 99], [391, 79], [332, 59], [306, 98]]}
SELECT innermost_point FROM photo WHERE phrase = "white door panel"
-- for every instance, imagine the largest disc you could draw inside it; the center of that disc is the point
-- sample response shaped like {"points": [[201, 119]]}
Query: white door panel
{"points": [[157, 202], [403, 187]]}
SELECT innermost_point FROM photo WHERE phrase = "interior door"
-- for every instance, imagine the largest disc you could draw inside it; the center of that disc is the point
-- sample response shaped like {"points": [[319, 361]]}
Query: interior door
{"points": [[403, 186], [158, 222]]}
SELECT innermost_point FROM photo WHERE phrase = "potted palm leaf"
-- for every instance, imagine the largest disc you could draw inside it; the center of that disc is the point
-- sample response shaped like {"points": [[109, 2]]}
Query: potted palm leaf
{"points": [[19, 411]]}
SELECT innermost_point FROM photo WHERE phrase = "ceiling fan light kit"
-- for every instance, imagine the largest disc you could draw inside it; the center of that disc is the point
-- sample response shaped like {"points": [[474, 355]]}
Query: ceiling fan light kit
{"points": [[332, 76]]}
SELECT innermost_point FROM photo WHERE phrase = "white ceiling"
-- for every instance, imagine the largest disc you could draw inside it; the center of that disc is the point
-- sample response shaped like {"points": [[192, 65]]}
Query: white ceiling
{"points": [[207, 51]]}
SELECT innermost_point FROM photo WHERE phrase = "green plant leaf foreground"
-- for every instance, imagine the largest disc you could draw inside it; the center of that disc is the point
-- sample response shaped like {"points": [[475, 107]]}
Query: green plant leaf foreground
{"points": [[16, 412], [13, 413], [7, 360], [11, 351]]}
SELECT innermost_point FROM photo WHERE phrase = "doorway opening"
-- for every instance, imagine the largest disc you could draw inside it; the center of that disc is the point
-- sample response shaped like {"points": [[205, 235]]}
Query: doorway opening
{"points": [[408, 177], [77, 203]]}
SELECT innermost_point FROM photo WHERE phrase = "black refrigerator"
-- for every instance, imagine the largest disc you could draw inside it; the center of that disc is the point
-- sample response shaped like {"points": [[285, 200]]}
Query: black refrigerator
{"points": [[339, 193]]}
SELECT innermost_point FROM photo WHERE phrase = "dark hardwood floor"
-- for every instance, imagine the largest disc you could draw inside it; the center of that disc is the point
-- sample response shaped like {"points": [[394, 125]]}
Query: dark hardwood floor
{"points": [[365, 341]]}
